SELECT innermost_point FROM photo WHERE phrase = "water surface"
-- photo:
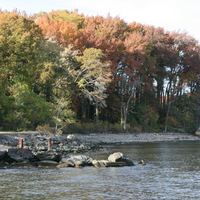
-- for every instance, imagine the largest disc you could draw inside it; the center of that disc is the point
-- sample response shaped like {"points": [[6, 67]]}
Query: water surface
{"points": [[172, 172]]}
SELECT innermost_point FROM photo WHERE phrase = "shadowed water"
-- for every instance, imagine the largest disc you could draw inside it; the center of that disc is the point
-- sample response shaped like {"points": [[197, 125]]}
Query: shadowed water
{"points": [[172, 172]]}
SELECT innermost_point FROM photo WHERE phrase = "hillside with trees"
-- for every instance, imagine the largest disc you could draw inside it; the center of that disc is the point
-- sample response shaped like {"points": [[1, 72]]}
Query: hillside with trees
{"points": [[77, 73]]}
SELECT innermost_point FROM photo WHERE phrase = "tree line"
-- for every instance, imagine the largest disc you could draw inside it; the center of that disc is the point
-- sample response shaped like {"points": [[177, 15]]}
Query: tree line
{"points": [[66, 69]]}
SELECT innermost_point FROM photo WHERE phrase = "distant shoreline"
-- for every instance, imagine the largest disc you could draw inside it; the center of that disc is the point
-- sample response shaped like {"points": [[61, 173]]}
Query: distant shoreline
{"points": [[111, 138]]}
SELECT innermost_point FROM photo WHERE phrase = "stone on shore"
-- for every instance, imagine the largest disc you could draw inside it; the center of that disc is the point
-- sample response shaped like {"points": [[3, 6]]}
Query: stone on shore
{"points": [[71, 137]]}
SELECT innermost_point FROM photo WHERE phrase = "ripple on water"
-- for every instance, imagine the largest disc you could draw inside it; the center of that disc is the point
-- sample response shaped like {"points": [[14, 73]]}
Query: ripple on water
{"points": [[172, 172]]}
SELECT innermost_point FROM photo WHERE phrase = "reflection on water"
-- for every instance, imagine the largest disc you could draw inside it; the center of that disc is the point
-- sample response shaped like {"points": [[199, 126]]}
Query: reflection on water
{"points": [[172, 172]]}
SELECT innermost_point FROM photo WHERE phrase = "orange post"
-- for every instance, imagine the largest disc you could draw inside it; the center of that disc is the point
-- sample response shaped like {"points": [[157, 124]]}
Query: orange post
{"points": [[21, 145]]}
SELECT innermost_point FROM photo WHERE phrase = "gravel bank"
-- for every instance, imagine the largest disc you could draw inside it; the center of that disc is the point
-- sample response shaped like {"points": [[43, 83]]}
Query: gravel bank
{"points": [[10, 139], [134, 138]]}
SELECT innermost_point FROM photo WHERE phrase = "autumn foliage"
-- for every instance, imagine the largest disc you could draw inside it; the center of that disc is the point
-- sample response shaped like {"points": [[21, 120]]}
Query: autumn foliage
{"points": [[73, 68]]}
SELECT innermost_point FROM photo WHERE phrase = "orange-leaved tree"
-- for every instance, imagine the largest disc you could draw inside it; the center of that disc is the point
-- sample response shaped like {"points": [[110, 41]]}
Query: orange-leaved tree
{"points": [[63, 26]]}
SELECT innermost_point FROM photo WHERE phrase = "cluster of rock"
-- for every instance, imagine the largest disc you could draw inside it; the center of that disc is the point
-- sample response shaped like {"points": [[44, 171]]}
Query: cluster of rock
{"points": [[39, 142], [56, 151], [114, 160], [25, 157], [34, 150]]}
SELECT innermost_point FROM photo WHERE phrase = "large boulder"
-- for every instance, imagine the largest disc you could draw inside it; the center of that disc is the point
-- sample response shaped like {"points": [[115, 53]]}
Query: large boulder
{"points": [[120, 157], [115, 157], [76, 161], [19, 155], [2, 155], [48, 155]]}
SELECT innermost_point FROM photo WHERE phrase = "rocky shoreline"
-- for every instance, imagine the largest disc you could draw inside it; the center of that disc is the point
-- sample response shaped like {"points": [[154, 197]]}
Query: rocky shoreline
{"points": [[54, 150], [71, 143], [139, 137]]}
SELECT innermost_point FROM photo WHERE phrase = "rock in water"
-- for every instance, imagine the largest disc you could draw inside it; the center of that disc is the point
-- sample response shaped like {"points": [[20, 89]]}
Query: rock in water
{"points": [[48, 155], [19, 155], [76, 161], [141, 163], [119, 157], [2, 155]]}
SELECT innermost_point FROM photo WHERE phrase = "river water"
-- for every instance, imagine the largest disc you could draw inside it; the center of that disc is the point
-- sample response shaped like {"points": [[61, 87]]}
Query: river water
{"points": [[172, 172]]}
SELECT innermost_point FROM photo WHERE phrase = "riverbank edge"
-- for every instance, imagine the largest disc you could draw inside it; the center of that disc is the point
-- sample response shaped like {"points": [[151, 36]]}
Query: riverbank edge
{"points": [[106, 138], [116, 138], [92, 143]]}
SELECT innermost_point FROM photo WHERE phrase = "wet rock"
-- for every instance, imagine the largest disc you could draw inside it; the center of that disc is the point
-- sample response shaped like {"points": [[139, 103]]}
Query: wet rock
{"points": [[141, 163], [2, 155], [66, 164], [116, 164], [106, 163], [99, 163], [80, 164], [119, 157], [115, 160], [77, 161], [19, 155], [48, 155]]}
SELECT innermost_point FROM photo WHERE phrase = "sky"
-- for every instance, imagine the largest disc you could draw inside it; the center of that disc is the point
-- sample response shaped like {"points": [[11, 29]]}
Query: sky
{"points": [[172, 15]]}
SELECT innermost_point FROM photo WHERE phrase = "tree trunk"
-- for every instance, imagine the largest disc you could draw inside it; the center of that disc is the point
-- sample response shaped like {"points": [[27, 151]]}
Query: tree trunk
{"points": [[97, 112], [167, 116], [124, 112]]}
